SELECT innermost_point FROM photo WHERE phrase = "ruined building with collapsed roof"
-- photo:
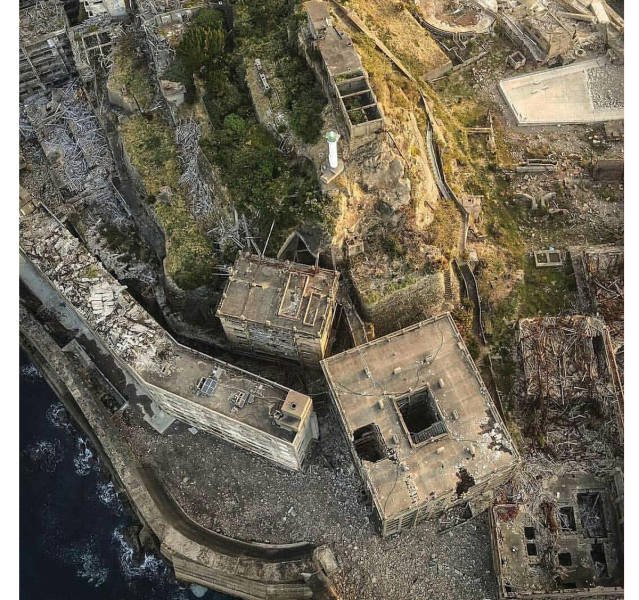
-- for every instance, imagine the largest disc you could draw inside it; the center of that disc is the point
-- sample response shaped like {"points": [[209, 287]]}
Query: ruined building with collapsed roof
{"points": [[280, 308], [331, 54], [558, 532], [247, 410], [566, 543], [423, 429]]}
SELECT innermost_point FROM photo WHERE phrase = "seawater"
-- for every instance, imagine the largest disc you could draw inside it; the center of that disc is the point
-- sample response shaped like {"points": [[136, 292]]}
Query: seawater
{"points": [[73, 544]]}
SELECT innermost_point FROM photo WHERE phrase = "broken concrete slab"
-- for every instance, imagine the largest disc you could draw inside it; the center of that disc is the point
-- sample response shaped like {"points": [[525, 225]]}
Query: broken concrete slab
{"points": [[578, 93]]}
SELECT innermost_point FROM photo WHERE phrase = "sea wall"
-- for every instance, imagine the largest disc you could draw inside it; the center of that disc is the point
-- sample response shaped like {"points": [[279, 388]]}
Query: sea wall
{"points": [[246, 570]]}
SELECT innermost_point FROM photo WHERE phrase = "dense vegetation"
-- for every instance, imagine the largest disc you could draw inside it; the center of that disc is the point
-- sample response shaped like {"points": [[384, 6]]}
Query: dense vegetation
{"points": [[151, 147], [263, 183]]}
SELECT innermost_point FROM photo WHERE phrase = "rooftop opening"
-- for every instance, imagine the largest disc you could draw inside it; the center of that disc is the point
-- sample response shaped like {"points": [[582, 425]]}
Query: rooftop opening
{"points": [[567, 518], [421, 416], [531, 549], [466, 481], [592, 517], [529, 532], [565, 559], [568, 585], [369, 443]]}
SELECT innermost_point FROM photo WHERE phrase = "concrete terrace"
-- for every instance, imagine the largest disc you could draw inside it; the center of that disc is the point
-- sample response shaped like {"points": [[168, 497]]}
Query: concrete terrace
{"points": [[562, 95]]}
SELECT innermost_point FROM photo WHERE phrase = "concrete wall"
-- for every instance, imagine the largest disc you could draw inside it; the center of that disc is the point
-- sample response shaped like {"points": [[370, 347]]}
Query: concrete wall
{"points": [[245, 570], [236, 432]]}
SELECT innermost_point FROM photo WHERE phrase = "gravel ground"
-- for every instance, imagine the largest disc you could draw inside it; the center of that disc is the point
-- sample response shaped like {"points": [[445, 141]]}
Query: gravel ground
{"points": [[239, 494], [606, 87]]}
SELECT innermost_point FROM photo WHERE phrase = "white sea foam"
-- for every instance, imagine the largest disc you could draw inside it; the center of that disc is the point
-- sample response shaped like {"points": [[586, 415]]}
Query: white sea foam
{"points": [[30, 371], [88, 564], [58, 416], [83, 461], [108, 496], [46, 454], [150, 567]]}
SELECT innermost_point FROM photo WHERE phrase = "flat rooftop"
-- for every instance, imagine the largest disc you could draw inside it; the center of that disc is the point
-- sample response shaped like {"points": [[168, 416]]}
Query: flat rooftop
{"points": [[138, 340], [279, 294], [370, 383], [590, 91], [336, 46], [226, 389]]}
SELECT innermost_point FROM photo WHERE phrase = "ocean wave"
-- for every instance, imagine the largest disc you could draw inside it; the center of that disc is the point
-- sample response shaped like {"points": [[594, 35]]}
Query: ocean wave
{"points": [[107, 495], [46, 454], [151, 567], [88, 564], [30, 372], [84, 461], [58, 416]]}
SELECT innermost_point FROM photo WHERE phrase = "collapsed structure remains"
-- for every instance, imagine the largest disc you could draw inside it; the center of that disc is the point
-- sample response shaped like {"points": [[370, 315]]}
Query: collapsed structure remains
{"points": [[569, 544], [559, 532], [423, 429]]}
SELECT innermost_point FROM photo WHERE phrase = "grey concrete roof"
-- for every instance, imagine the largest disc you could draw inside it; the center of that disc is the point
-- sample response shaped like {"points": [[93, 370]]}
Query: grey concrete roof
{"points": [[285, 294], [188, 366], [406, 362]]}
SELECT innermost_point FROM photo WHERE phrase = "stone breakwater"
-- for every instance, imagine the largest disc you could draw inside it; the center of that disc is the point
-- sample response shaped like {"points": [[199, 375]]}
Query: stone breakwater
{"points": [[198, 555]]}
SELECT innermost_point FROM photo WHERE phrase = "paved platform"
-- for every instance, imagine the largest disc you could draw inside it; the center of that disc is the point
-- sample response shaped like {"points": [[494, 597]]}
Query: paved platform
{"points": [[576, 93]]}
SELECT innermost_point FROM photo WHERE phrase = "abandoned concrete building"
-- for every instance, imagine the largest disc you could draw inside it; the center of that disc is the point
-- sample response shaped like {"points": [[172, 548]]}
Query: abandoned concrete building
{"points": [[557, 528], [599, 276], [279, 307], [423, 430], [567, 543], [254, 413], [331, 54], [45, 52], [569, 369]]}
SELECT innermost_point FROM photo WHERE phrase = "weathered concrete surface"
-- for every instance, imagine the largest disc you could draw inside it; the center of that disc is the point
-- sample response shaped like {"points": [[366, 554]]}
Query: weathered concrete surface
{"points": [[573, 94], [247, 570]]}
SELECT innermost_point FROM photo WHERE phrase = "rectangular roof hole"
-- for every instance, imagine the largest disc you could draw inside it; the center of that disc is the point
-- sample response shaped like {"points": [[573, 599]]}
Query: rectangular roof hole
{"points": [[369, 443], [421, 416]]}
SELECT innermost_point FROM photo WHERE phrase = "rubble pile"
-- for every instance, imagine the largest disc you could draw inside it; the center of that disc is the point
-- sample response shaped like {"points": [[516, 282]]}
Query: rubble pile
{"points": [[572, 394], [238, 494], [129, 331], [599, 274], [606, 87]]}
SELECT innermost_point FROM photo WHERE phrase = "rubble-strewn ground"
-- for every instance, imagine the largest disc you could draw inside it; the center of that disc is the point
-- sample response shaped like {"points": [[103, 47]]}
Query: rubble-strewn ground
{"points": [[239, 494]]}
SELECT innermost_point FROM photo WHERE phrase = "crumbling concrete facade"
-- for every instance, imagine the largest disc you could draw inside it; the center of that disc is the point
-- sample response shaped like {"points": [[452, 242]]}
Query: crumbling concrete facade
{"points": [[331, 55], [599, 275], [279, 308], [423, 430], [45, 52], [567, 544], [254, 413]]}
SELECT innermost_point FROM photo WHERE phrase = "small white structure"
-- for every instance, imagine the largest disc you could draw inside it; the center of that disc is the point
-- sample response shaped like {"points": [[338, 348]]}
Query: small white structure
{"points": [[112, 8], [335, 166], [332, 137]]}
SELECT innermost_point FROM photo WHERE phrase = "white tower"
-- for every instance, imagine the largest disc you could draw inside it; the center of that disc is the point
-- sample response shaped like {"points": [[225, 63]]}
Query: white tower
{"points": [[331, 138]]}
